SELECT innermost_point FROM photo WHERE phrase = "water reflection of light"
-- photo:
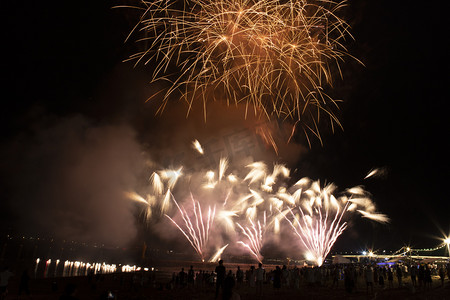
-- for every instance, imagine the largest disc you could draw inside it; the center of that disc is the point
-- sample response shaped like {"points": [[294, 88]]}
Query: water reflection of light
{"points": [[80, 268]]}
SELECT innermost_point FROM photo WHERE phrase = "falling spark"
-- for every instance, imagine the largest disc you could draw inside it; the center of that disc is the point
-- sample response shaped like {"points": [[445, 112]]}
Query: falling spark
{"points": [[372, 173], [197, 146], [382, 218]]}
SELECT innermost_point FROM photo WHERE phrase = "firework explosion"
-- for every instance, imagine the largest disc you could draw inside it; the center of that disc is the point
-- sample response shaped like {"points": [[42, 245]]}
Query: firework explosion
{"points": [[273, 56], [320, 221], [249, 208]]}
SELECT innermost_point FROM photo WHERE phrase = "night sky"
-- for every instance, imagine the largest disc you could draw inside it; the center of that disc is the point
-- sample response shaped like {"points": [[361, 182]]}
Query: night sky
{"points": [[68, 94]]}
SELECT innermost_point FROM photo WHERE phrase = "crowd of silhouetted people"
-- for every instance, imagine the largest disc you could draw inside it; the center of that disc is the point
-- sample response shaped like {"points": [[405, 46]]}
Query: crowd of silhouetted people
{"points": [[351, 277], [228, 284]]}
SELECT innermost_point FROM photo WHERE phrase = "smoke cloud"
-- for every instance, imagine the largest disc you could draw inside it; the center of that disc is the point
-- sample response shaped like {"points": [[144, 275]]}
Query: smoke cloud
{"points": [[66, 179]]}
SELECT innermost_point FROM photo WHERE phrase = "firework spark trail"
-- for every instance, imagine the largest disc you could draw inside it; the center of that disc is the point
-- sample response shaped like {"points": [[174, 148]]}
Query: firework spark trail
{"points": [[147, 212], [197, 146], [254, 235], [217, 255], [196, 232], [270, 54], [157, 184]]}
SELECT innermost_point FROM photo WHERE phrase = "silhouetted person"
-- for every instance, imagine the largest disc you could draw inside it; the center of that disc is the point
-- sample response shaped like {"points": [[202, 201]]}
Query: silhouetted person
{"points": [[413, 274], [442, 275], [220, 273], [182, 278], [69, 292], [335, 273], [427, 277], [421, 275], [277, 278], [239, 277], [228, 285], [349, 279], [368, 273], [381, 279], [5, 275], [399, 276], [259, 279], [190, 277], [24, 283], [284, 276], [390, 278], [251, 277]]}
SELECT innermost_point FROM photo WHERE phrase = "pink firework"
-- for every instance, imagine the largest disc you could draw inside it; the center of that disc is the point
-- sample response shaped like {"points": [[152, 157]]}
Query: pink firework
{"points": [[254, 235], [196, 227]]}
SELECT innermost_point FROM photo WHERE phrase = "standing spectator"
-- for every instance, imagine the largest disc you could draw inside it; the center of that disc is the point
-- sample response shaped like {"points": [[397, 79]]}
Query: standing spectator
{"points": [[199, 280], [309, 276], [296, 277], [399, 275], [239, 277], [381, 279], [413, 274], [260, 272], [285, 277], [355, 278], [228, 285], [24, 284], [69, 292], [448, 271], [335, 274], [375, 274], [182, 278], [427, 277], [442, 275], [277, 278], [349, 278], [421, 275], [5, 275], [368, 273], [190, 277], [251, 277], [390, 278], [220, 273]]}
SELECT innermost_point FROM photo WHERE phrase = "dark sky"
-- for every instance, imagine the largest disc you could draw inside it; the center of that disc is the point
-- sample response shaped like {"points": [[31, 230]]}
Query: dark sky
{"points": [[63, 70]]}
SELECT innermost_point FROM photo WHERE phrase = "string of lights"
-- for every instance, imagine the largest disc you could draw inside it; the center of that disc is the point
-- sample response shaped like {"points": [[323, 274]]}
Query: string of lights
{"points": [[406, 249]]}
